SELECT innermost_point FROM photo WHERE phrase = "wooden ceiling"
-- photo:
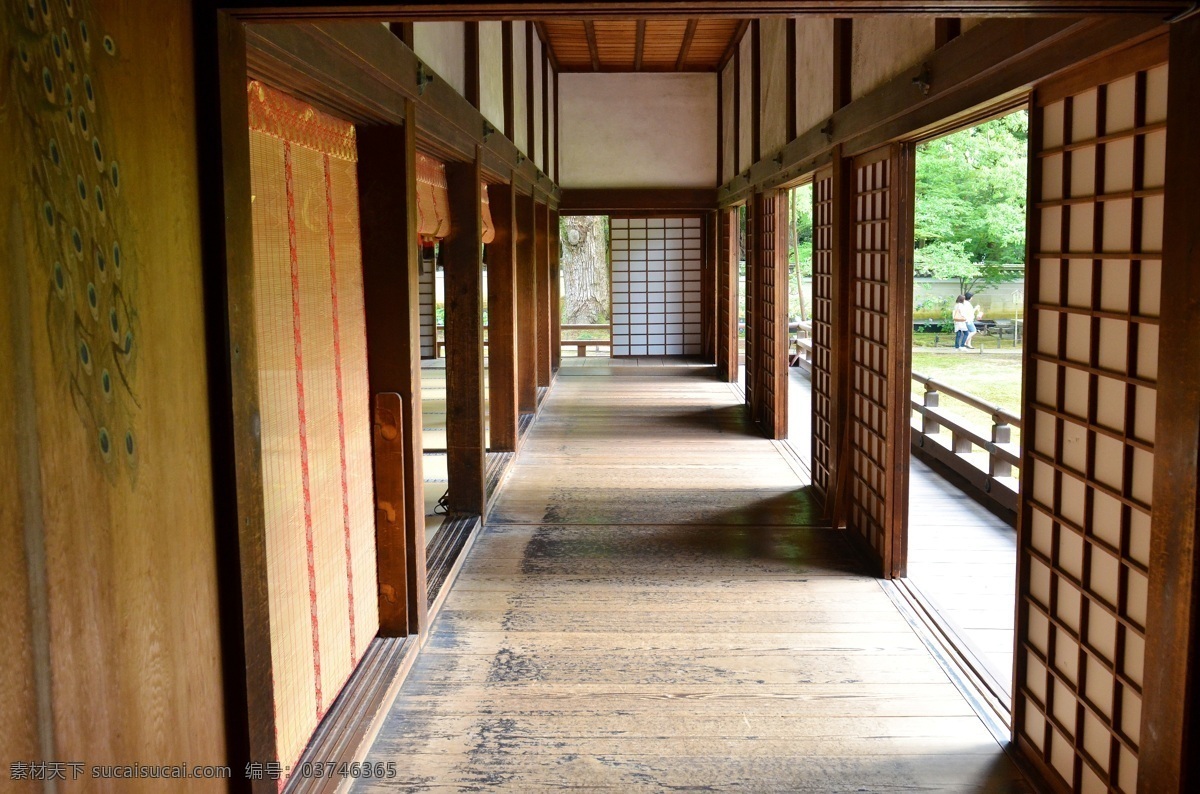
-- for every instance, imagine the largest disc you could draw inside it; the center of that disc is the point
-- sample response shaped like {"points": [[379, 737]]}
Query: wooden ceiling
{"points": [[647, 45]]}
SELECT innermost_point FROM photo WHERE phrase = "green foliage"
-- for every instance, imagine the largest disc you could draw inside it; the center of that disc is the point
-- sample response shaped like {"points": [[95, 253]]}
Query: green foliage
{"points": [[970, 209]]}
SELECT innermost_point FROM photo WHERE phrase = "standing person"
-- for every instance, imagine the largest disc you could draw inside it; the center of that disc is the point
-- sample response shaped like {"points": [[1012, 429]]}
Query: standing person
{"points": [[960, 322], [971, 313]]}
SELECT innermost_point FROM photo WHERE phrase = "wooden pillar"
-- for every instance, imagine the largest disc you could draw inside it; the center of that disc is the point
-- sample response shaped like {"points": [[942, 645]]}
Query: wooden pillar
{"points": [[527, 342], [727, 295], [556, 292], [708, 290], [502, 318], [462, 253], [541, 222], [1168, 759], [391, 261], [840, 342]]}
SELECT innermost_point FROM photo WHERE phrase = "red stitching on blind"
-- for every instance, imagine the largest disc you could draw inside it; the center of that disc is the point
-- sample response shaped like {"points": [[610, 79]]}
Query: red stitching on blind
{"points": [[304, 473], [337, 367]]}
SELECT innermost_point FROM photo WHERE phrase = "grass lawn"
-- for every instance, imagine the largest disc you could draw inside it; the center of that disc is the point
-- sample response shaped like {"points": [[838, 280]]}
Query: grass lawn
{"points": [[993, 379]]}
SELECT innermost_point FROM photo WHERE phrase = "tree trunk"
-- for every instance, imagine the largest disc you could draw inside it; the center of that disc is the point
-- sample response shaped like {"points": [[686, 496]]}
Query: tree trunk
{"points": [[585, 269]]}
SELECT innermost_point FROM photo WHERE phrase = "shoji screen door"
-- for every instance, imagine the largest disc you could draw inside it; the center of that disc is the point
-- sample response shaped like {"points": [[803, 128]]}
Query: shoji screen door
{"points": [[1093, 298], [656, 291], [822, 331], [881, 305]]}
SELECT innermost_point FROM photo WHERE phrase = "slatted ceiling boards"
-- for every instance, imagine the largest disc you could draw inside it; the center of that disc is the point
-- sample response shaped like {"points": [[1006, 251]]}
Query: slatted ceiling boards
{"points": [[665, 44], [1089, 403], [822, 331], [877, 492]]}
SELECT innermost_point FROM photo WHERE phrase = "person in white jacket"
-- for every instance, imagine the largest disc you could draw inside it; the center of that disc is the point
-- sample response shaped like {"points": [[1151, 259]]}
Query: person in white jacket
{"points": [[971, 314]]}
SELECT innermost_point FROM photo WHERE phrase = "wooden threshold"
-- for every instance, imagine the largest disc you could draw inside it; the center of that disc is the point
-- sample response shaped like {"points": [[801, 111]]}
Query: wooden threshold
{"points": [[353, 721], [957, 657]]}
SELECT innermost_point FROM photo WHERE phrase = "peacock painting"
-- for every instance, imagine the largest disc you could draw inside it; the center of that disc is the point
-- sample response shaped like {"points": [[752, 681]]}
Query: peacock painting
{"points": [[58, 54]]}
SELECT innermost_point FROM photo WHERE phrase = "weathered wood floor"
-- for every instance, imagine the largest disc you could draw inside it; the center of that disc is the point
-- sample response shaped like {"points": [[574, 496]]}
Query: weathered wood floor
{"points": [[646, 611]]}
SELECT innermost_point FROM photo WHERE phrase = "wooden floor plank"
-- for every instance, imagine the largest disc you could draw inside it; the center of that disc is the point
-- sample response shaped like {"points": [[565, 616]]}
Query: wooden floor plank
{"points": [[654, 605]]}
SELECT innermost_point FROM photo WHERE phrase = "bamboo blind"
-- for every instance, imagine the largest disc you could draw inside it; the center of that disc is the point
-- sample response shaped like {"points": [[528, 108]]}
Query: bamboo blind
{"points": [[313, 394]]}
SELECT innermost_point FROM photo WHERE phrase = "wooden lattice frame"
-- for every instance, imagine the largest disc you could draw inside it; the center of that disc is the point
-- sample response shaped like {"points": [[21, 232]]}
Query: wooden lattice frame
{"points": [[880, 305], [822, 331], [1093, 302], [727, 278], [769, 406]]}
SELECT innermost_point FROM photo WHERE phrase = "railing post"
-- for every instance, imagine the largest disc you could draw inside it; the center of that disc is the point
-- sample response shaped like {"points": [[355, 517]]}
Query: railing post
{"points": [[929, 424], [1001, 434]]}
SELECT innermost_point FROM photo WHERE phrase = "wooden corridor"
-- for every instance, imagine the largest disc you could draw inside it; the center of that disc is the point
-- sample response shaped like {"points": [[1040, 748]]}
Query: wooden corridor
{"points": [[646, 609]]}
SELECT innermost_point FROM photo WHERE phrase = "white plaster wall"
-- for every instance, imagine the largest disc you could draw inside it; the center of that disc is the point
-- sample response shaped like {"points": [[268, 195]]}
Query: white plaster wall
{"points": [[536, 140], [773, 51], [442, 46], [746, 109], [552, 111], [520, 98], [728, 113], [814, 72], [886, 46], [638, 130], [491, 72]]}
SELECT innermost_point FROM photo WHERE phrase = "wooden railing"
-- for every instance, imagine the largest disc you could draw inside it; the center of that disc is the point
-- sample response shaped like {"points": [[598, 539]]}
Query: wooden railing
{"points": [[997, 475], [581, 345]]}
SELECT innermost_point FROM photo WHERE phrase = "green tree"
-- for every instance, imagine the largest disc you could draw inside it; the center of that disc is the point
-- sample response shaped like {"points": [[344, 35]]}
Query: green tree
{"points": [[970, 209]]}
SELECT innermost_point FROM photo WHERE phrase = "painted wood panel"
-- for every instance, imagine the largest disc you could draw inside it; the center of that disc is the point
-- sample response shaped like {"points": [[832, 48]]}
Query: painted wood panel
{"points": [[442, 45], [886, 46], [106, 448], [814, 71], [656, 264], [1094, 308]]}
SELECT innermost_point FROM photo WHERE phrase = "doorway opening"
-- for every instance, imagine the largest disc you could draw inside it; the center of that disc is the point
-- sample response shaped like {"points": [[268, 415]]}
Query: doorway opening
{"points": [[966, 354], [799, 203], [587, 276]]}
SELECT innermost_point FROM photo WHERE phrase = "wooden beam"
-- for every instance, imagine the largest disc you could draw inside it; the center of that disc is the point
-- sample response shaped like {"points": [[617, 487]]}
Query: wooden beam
{"points": [[230, 335], [735, 44], [1168, 758], [791, 79], [402, 31], [510, 120], [843, 50], [274, 10], [945, 29], [639, 46], [689, 33], [545, 150], [721, 100], [545, 292], [502, 318], [461, 258], [547, 48], [555, 243], [471, 62], [557, 127], [756, 90], [737, 111], [527, 341], [589, 28], [391, 264]]}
